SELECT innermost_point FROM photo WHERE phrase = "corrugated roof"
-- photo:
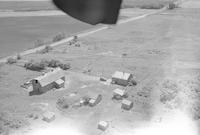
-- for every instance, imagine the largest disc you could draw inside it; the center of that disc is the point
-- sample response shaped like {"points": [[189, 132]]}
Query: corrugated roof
{"points": [[119, 92], [121, 75], [50, 77]]}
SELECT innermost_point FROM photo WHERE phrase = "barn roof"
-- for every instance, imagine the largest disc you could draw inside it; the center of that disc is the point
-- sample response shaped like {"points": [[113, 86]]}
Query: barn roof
{"points": [[50, 77], [121, 75]]}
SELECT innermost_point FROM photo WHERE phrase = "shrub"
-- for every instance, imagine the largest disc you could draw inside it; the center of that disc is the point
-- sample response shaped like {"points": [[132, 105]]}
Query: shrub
{"points": [[54, 63], [46, 49], [65, 66], [35, 66], [59, 37], [38, 66], [11, 60], [62, 103], [172, 5], [39, 43]]}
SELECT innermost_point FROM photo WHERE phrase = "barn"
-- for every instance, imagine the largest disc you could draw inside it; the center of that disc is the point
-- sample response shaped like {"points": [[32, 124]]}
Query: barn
{"points": [[53, 79], [121, 78]]}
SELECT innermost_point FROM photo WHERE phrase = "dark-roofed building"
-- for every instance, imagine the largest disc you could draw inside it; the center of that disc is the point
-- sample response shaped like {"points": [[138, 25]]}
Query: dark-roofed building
{"points": [[121, 78], [53, 79]]}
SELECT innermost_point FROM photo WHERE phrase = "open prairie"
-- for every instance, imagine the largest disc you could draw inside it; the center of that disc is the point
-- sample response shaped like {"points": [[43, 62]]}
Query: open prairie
{"points": [[20, 33], [161, 51], [26, 5], [145, 4]]}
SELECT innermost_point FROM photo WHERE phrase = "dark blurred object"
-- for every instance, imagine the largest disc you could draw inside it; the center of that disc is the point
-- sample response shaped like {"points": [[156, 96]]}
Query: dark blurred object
{"points": [[91, 11]]}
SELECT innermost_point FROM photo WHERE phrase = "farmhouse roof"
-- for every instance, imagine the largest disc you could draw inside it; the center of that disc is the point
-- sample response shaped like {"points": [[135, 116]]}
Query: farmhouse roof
{"points": [[50, 77], [121, 75]]}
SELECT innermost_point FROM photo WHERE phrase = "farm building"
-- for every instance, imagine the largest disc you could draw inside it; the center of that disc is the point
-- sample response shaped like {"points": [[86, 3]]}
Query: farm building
{"points": [[103, 125], [95, 99], [118, 94], [121, 78], [126, 104], [53, 79]]}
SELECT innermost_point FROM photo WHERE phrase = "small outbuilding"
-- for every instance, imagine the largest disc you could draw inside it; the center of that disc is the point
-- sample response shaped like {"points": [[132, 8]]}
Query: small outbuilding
{"points": [[126, 104], [118, 94], [121, 78], [103, 125], [53, 79], [95, 99]]}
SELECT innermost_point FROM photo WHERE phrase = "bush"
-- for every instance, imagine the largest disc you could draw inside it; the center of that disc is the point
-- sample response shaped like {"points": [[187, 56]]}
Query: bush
{"points": [[11, 60], [172, 5], [65, 66], [38, 66], [62, 103], [35, 66], [46, 49], [59, 37], [54, 63]]}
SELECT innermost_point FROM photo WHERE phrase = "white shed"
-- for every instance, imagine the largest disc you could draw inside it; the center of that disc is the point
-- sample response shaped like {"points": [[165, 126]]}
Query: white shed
{"points": [[126, 104], [103, 125]]}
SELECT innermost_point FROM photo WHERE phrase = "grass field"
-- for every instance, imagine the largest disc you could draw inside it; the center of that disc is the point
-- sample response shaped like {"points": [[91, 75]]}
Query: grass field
{"points": [[162, 52], [145, 4], [25, 5], [17, 34], [47, 5]]}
